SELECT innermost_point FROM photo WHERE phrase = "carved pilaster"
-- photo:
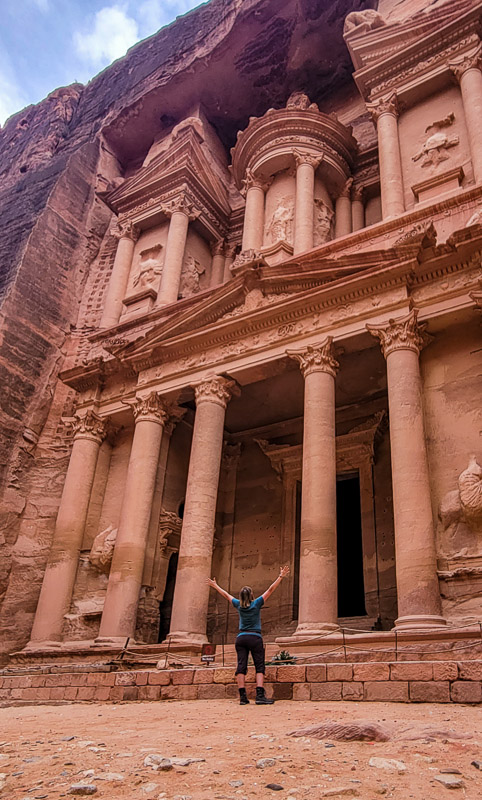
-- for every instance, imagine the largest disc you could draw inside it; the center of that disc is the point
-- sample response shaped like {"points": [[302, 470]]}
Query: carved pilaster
{"points": [[307, 158], [90, 426], [317, 358], [125, 229], [472, 61], [152, 408], [386, 105], [216, 390], [401, 334], [183, 205], [174, 415], [231, 455]]}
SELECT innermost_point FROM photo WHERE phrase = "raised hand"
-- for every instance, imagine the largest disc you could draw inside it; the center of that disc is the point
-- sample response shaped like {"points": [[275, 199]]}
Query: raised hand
{"points": [[212, 582], [284, 571]]}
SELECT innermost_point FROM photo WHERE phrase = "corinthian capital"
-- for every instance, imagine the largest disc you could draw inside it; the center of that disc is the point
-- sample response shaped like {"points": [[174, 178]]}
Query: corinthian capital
{"points": [[307, 158], [216, 390], [151, 408], [386, 105], [405, 333], [252, 180], [472, 61], [346, 190], [181, 204], [317, 358], [358, 192], [90, 426], [218, 248], [125, 229]]}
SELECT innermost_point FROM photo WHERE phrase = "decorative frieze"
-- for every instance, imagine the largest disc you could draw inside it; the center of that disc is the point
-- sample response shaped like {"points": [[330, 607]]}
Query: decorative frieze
{"points": [[402, 334], [216, 390], [317, 358]]}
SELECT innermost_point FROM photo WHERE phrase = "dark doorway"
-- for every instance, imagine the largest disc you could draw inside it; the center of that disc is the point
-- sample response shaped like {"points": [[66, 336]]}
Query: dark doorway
{"points": [[165, 607], [351, 590]]}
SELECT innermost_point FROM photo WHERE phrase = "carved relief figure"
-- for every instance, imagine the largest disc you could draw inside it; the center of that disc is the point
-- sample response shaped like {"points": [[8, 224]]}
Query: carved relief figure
{"points": [[149, 268], [362, 22], [102, 549], [190, 278], [323, 220], [280, 226], [433, 150], [460, 514]]}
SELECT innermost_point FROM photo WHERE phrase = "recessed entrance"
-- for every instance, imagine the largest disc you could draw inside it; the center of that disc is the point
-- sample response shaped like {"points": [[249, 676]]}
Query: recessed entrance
{"points": [[351, 590]]}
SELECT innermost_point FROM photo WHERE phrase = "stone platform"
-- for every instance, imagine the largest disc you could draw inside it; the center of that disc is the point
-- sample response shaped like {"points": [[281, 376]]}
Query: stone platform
{"points": [[407, 681]]}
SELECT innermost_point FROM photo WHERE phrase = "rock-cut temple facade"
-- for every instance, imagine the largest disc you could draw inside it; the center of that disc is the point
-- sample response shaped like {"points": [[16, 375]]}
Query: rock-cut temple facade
{"points": [[241, 327]]}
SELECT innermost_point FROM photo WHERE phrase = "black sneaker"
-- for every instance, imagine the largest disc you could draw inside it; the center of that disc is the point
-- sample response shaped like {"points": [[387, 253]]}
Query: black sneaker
{"points": [[262, 700], [243, 700]]}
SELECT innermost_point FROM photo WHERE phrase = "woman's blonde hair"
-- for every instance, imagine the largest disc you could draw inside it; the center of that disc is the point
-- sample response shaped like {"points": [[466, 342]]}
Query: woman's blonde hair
{"points": [[246, 597]]}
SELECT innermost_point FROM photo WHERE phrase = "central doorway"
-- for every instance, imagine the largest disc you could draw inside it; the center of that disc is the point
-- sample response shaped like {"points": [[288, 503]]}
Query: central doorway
{"points": [[351, 588]]}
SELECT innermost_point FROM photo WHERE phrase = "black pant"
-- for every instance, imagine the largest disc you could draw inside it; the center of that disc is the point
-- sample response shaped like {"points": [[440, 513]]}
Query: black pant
{"points": [[249, 643]]}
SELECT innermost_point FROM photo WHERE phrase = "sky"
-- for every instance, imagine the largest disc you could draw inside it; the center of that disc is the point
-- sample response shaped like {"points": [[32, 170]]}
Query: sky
{"points": [[49, 43]]}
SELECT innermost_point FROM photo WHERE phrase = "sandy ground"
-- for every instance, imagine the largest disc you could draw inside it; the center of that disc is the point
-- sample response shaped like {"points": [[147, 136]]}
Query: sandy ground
{"points": [[38, 762]]}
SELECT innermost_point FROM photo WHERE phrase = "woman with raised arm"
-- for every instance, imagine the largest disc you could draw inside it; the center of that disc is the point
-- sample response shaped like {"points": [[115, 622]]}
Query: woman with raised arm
{"points": [[249, 639]]}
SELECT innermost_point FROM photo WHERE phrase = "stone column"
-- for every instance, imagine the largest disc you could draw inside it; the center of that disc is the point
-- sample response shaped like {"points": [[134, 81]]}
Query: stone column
{"points": [[219, 258], [59, 578], [343, 210], [306, 166], [385, 115], [416, 565], [357, 208], [253, 229], [318, 597], [230, 254], [469, 75], [127, 233], [191, 595], [181, 211], [125, 578]]}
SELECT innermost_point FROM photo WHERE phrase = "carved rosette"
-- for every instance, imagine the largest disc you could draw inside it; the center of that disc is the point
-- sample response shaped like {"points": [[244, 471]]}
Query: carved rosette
{"points": [[317, 358], [91, 426], [472, 61], [401, 334], [307, 158], [181, 205], [386, 105], [151, 408], [216, 390], [251, 180], [126, 229]]}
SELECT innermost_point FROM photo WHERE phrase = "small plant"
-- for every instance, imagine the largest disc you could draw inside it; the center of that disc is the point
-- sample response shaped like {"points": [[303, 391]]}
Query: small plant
{"points": [[283, 657]]}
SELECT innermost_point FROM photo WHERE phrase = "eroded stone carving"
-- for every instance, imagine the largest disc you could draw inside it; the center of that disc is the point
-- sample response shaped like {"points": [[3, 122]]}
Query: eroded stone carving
{"points": [[149, 270], [190, 277], [434, 149], [280, 225], [358, 22], [302, 101], [460, 514], [190, 122], [323, 222], [102, 549], [170, 525], [475, 219]]}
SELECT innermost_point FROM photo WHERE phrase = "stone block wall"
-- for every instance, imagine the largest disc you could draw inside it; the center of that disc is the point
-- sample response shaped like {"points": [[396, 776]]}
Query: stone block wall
{"points": [[406, 682]]}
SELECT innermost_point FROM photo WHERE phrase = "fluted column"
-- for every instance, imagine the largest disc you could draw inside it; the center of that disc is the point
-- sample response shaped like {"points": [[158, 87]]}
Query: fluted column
{"points": [[469, 75], [181, 211], [385, 115], [59, 578], [191, 595], [219, 258], [306, 166], [357, 208], [318, 597], [343, 210], [127, 234], [125, 578], [254, 188], [416, 566]]}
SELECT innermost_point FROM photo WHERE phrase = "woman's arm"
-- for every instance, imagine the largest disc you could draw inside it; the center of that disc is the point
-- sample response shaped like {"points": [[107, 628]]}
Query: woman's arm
{"points": [[212, 582], [283, 571]]}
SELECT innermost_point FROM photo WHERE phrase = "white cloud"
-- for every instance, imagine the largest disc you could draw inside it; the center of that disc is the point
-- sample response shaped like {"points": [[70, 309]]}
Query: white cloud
{"points": [[153, 14], [113, 32], [12, 99]]}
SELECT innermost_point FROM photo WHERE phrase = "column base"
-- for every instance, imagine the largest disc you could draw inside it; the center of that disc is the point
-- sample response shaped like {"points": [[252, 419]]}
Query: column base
{"points": [[186, 639], [309, 630], [47, 644], [422, 622], [113, 641]]}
